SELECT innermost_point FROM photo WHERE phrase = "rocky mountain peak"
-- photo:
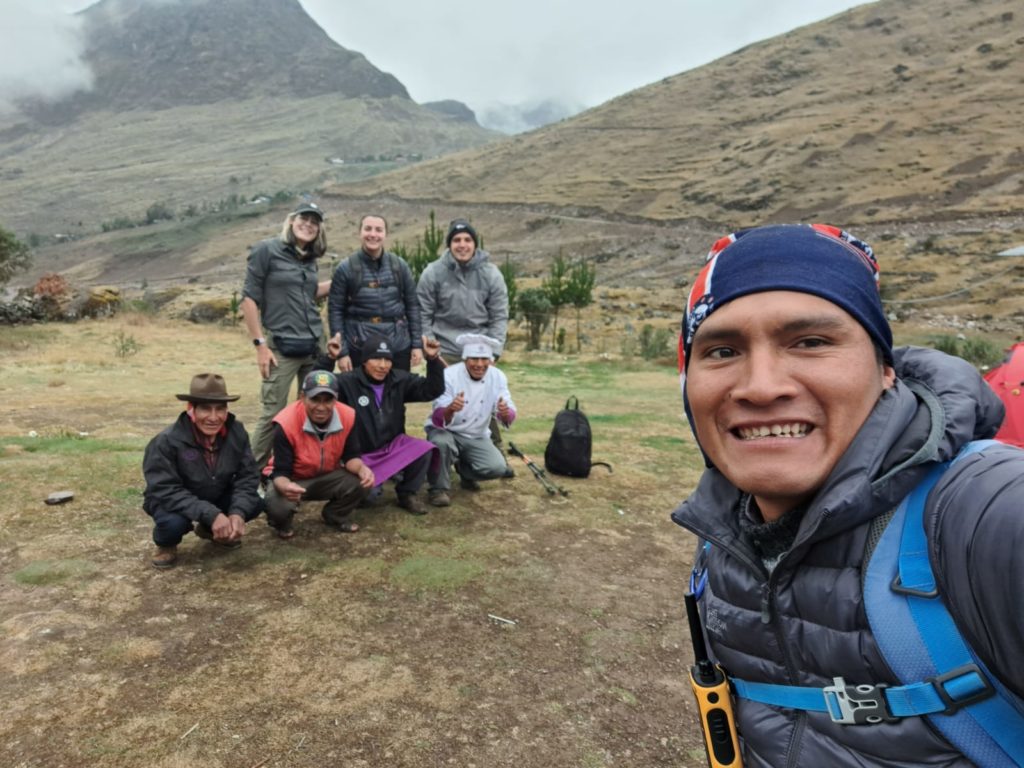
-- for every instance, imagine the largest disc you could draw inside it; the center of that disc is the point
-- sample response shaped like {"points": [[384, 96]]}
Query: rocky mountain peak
{"points": [[153, 54]]}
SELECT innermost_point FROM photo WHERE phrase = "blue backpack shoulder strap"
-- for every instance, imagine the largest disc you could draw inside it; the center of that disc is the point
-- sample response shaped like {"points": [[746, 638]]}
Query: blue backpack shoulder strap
{"points": [[920, 641], [943, 680]]}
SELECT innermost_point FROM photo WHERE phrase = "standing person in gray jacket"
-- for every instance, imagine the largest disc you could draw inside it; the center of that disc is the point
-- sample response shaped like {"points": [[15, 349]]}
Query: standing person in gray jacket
{"points": [[281, 314], [814, 429], [462, 292], [373, 293]]}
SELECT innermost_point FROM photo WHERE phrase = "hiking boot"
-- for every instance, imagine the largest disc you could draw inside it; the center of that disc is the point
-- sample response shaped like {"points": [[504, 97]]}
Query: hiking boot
{"points": [[411, 504], [439, 498], [165, 557], [469, 485], [508, 473]]}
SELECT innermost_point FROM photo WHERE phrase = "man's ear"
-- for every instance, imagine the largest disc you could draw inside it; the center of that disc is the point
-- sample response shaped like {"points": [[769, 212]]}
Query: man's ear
{"points": [[888, 376]]}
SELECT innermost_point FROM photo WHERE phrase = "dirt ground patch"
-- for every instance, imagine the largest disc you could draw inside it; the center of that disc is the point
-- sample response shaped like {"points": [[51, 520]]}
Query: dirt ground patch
{"points": [[512, 628]]}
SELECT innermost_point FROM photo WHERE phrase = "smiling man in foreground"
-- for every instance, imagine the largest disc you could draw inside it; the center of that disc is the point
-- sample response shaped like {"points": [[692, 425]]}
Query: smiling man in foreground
{"points": [[814, 429], [200, 473]]}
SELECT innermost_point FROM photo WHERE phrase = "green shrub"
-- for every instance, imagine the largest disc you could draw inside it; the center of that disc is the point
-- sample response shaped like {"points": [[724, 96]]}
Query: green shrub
{"points": [[125, 345], [655, 343], [158, 212], [424, 250], [509, 272], [535, 309], [14, 256], [978, 351], [121, 222]]}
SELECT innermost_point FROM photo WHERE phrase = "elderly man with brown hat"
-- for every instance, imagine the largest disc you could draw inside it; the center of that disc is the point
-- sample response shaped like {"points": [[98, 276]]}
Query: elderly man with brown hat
{"points": [[200, 473]]}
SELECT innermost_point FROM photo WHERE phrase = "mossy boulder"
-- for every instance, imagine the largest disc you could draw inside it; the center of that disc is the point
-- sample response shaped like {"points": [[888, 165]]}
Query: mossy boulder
{"points": [[100, 301], [210, 311]]}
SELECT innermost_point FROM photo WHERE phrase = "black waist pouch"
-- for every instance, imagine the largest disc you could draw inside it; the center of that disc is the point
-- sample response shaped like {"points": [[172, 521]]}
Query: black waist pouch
{"points": [[292, 346]]}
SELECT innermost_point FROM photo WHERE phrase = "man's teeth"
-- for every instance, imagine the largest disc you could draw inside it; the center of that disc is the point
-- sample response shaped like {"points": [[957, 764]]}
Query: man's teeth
{"points": [[775, 430]]}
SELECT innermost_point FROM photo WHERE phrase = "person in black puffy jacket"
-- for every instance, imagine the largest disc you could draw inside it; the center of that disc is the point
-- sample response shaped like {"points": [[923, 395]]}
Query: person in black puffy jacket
{"points": [[814, 428], [373, 293]]}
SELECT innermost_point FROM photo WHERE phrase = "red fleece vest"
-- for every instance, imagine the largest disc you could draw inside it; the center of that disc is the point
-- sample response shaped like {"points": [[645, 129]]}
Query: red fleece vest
{"points": [[313, 457]]}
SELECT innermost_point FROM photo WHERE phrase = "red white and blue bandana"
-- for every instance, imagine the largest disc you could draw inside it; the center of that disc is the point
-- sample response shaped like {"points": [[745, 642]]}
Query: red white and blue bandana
{"points": [[808, 258]]}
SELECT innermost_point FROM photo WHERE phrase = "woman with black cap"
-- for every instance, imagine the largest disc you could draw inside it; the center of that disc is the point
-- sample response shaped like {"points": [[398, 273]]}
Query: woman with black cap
{"points": [[281, 314]]}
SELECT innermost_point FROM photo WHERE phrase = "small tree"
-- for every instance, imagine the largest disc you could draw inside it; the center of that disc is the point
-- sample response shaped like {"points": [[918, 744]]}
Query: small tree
{"points": [[425, 248], [554, 288], [14, 256], [433, 237], [508, 271], [535, 309], [579, 290]]}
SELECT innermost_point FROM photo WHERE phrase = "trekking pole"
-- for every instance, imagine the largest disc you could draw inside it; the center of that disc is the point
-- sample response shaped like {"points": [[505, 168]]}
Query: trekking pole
{"points": [[714, 701], [539, 473]]}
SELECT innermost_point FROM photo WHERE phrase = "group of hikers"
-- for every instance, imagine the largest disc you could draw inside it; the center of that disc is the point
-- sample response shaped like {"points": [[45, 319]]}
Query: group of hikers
{"points": [[859, 562], [345, 435]]}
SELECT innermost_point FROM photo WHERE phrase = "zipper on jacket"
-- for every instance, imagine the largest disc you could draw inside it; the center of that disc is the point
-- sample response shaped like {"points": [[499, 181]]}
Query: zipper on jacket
{"points": [[768, 616]]}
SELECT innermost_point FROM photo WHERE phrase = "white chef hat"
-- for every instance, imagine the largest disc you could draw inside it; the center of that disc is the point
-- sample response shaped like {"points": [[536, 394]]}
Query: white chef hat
{"points": [[477, 345]]}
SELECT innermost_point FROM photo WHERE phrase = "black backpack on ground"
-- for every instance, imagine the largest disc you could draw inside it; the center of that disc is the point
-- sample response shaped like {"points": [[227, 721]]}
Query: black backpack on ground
{"points": [[569, 447]]}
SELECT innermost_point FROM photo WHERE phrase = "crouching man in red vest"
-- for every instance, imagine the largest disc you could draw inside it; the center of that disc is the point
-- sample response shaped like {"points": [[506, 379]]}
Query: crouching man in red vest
{"points": [[316, 457]]}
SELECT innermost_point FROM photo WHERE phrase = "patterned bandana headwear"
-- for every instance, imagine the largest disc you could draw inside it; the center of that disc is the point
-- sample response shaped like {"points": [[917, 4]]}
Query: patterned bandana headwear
{"points": [[817, 259]]}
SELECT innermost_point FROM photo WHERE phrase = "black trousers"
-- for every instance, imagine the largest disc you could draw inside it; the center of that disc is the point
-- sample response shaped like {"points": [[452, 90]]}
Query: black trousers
{"points": [[169, 528]]}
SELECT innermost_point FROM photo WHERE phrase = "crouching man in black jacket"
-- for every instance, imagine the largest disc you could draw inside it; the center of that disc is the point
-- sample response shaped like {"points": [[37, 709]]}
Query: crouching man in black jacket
{"points": [[378, 393], [200, 472]]}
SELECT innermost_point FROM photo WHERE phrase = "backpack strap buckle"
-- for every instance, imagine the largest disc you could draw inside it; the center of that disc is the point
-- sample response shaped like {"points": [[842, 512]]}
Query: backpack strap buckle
{"points": [[962, 687], [857, 704]]}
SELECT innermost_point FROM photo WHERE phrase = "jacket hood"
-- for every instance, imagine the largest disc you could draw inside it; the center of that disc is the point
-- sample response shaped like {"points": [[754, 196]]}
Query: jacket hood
{"points": [[970, 410]]}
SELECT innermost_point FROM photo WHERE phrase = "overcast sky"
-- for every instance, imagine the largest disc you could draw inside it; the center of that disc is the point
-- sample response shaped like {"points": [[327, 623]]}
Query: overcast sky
{"points": [[581, 52]]}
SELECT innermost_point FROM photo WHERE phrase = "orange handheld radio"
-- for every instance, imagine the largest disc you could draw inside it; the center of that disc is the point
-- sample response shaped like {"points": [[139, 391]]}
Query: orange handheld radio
{"points": [[714, 703]]}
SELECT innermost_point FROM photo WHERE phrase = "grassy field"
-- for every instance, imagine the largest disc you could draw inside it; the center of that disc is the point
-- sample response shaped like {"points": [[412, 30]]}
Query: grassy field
{"points": [[512, 628]]}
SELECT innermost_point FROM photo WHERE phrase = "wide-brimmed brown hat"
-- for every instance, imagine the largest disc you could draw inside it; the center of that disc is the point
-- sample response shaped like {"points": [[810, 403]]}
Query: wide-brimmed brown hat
{"points": [[208, 388]]}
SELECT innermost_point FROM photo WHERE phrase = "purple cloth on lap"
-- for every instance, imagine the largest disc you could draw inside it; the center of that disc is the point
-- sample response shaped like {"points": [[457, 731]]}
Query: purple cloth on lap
{"points": [[395, 456]]}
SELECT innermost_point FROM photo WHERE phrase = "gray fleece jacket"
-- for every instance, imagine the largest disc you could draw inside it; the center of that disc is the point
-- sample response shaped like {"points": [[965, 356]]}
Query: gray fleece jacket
{"points": [[462, 298], [805, 623]]}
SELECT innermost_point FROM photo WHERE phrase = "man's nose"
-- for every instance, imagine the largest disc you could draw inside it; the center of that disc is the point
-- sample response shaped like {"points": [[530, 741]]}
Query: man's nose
{"points": [[765, 377]]}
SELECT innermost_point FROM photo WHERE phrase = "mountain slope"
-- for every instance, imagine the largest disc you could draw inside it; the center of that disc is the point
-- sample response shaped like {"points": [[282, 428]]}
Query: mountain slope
{"points": [[900, 109], [198, 100]]}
